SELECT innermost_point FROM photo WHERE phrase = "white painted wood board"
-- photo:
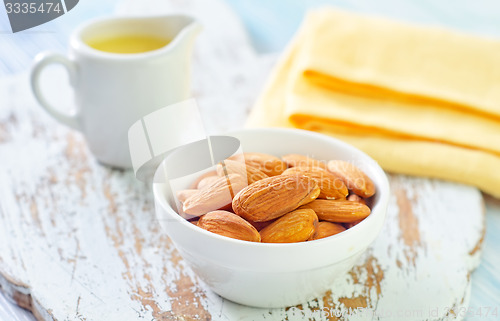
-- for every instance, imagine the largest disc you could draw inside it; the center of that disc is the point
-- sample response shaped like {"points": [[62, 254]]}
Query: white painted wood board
{"points": [[79, 241]]}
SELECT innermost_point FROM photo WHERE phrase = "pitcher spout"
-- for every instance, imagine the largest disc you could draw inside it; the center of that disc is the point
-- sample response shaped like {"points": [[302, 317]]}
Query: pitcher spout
{"points": [[182, 30], [179, 29], [189, 33]]}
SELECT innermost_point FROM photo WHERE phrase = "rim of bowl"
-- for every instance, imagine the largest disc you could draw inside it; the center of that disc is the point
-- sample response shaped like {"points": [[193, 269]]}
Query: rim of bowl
{"points": [[376, 210]]}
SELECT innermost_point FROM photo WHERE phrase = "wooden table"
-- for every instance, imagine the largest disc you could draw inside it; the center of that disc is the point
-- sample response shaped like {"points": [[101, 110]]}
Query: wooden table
{"points": [[80, 241]]}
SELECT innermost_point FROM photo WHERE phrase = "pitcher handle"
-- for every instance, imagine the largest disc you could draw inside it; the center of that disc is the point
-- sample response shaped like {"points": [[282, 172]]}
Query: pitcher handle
{"points": [[41, 61]]}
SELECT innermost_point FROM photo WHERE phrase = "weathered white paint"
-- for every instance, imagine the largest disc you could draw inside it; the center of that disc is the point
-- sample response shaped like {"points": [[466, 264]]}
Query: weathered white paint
{"points": [[79, 241]]}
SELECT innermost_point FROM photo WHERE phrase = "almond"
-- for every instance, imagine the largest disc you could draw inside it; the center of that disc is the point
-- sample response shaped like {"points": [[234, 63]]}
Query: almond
{"points": [[183, 195], [194, 185], [339, 211], [181, 213], [296, 160], [273, 197], [349, 225], [268, 164], [356, 198], [354, 178], [260, 225], [207, 181], [230, 225], [216, 196], [331, 186], [326, 229], [296, 226], [233, 167]]}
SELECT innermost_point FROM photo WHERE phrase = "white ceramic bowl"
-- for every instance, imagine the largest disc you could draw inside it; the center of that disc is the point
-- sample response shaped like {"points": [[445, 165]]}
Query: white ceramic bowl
{"points": [[277, 275]]}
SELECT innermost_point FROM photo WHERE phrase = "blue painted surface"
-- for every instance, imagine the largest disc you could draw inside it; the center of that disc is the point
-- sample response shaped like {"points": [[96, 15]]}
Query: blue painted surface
{"points": [[18, 50], [271, 24], [486, 278]]}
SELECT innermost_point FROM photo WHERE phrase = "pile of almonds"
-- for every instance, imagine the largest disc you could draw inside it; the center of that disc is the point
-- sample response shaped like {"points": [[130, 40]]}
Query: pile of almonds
{"points": [[261, 198]]}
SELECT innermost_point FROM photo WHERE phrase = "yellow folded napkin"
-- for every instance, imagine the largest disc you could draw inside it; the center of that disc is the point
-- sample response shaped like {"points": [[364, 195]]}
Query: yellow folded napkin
{"points": [[419, 100]]}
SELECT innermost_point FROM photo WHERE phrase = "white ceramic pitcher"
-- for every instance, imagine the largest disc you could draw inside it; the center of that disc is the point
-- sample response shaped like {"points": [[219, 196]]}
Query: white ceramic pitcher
{"points": [[114, 90]]}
